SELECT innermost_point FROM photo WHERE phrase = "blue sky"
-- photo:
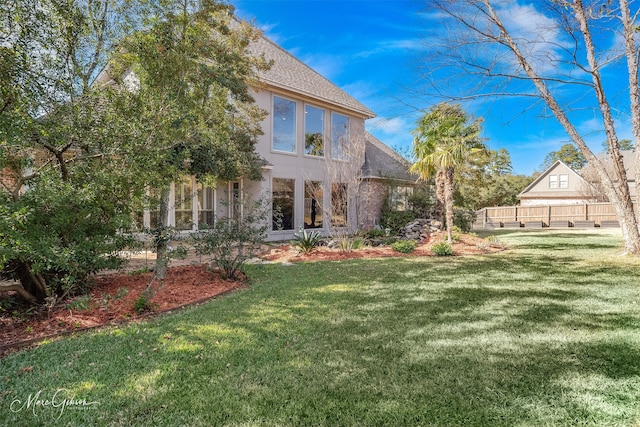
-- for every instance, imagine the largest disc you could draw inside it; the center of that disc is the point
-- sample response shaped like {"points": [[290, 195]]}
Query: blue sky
{"points": [[373, 49]]}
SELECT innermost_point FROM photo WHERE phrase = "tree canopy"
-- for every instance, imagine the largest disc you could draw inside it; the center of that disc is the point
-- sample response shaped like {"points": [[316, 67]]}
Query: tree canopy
{"points": [[78, 154], [445, 139], [568, 154]]}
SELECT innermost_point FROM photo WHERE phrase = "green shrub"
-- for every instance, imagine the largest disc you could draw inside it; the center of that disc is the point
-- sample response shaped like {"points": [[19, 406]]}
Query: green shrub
{"points": [[357, 243], [374, 233], [463, 218], [404, 246], [232, 241], [395, 220], [442, 249], [307, 242], [143, 304]]}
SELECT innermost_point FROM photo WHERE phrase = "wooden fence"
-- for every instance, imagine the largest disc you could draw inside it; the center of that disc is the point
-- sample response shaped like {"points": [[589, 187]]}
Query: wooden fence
{"points": [[561, 216]]}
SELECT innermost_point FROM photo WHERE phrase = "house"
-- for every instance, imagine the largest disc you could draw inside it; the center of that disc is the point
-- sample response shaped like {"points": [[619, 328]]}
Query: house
{"points": [[385, 173], [314, 143], [558, 185], [561, 185]]}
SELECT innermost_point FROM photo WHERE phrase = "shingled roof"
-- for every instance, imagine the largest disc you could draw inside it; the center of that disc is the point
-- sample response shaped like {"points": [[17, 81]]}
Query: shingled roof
{"points": [[381, 162], [291, 74]]}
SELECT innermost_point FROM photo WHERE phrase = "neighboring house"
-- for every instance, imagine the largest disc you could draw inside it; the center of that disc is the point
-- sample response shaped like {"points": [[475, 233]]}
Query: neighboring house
{"points": [[558, 185], [311, 129], [385, 174], [561, 185]]}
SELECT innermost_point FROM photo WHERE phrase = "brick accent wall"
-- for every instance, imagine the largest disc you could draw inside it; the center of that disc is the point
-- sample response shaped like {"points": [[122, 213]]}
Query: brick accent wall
{"points": [[372, 196]]}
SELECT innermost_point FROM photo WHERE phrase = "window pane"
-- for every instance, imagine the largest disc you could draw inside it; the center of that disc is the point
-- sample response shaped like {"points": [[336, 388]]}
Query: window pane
{"points": [[312, 204], [553, 181], [284, 124], [564, 181], [184, 204], [339, 205], [205, 206], [313, 131], [339, 136], [283, 204], [400, 198]]}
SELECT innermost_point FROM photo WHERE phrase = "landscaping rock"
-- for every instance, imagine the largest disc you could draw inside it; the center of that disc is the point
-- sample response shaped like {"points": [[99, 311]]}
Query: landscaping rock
{"points": [[419, 229]]}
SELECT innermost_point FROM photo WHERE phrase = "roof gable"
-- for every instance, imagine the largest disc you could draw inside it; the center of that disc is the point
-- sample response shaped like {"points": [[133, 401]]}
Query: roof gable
{"points": [[558, 166], [382, 162], [291, 74]]}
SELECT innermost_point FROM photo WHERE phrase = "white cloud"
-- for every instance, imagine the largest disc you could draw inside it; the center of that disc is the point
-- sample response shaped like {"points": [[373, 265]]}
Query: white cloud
{"points": [[388, 125]]}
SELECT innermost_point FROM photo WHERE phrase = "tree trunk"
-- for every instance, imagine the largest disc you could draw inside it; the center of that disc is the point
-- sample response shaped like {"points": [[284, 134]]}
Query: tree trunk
{"points": [[162, 242], [448, 201], [32, 286], [616, 187], [440, 195]]}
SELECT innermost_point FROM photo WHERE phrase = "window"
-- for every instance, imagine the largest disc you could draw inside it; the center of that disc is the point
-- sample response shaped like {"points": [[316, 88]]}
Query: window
{"points": [[235, 205], [399, 198], [193, 207], [284, 125], [313, 131], [564, 181], [553, 181], [283, 196], [339, 136], [339, 205], [312, 204], [205, 206], [184, 204]]}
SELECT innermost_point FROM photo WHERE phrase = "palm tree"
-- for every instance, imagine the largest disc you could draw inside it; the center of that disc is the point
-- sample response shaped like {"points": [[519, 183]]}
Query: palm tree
{"points": [[444, 140]]}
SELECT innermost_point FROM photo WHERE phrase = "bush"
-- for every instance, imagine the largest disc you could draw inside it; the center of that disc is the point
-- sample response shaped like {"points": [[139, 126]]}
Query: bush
{"points": [[442, 249], [232, 241], [307, 242], [56, 235], [464, 218], [395, 220], [404, 246]]}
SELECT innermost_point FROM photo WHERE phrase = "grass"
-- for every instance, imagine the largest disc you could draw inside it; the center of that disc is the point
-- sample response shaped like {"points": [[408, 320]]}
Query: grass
{"points": [[546, 333]]}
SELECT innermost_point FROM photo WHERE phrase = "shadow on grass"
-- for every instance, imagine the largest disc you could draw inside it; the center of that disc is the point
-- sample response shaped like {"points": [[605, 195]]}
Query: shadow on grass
{"points": [[526, 339]]}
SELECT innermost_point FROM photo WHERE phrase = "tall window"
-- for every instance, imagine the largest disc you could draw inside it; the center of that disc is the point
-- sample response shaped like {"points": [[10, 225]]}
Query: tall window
{"points": [[205, 206], [313, 131], [553, 181], [339, 136], [312, 204], [184, 204], [284, 124], [339, 204], [283, 197]]}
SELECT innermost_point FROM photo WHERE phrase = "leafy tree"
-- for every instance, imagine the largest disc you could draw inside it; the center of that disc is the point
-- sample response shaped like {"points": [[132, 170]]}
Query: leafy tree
{"points": [[62, 197], [488, 181], [625, 144], [192, 73], [567, 154], [445, 139], [77, 154]]}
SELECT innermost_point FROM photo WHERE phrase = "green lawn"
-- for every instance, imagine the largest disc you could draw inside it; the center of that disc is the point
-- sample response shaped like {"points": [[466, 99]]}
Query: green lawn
{"points": [[546, 333]]}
